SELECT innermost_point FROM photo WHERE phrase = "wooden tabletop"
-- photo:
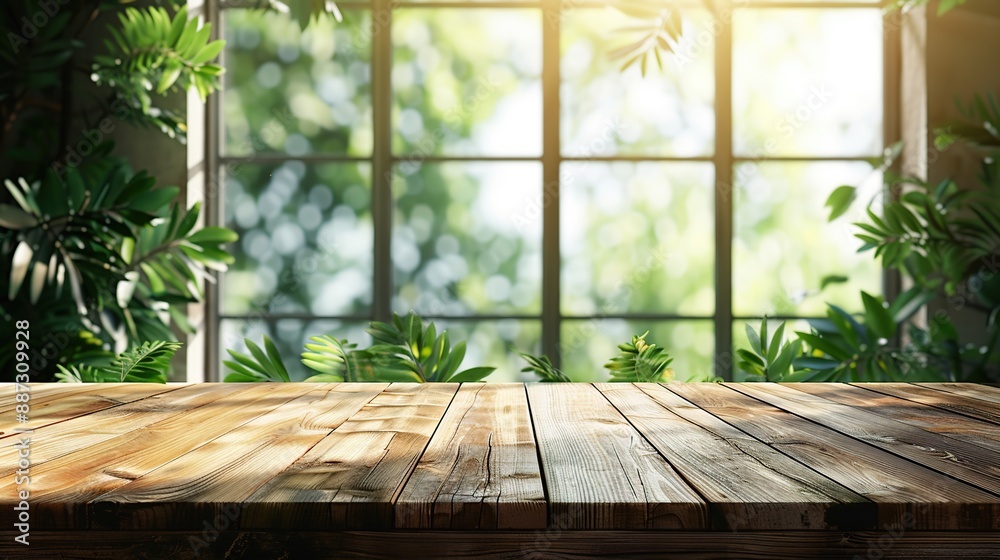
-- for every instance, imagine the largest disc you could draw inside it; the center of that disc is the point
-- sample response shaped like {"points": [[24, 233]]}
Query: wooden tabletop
{"points": [[483, 457]]}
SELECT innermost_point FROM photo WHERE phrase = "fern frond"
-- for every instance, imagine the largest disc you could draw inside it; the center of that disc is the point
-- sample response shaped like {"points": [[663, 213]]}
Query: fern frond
{"points": [[543, 368], [640, 362]]}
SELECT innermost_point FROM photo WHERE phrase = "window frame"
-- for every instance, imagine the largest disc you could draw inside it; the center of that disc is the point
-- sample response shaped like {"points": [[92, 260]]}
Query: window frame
{"points": [[551, 316]]}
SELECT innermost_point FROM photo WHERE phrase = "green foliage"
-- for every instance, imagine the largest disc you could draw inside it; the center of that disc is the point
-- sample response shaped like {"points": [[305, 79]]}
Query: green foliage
{"points": [[640, 362], [97, 258], [980, 127], [946, 239], [338, 360], [152, 52], [260, 365], [405, 351], [148, 362], [543, 368], [769, 360], [89, 248]]}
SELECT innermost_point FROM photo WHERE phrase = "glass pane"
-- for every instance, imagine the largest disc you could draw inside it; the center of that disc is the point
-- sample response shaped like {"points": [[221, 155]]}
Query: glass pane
{"points": [[802, 87], [605, 111], [467, 82], [783, 245], [637, 237], [305, 239], [740, 341], [289, 336], [588, 344], [295, 92], [467, 238], [496, 343]]}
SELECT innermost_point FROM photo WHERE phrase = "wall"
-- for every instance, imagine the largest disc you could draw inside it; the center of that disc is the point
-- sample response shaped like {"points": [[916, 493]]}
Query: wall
{"points": [[164, 158], [960, 62]]}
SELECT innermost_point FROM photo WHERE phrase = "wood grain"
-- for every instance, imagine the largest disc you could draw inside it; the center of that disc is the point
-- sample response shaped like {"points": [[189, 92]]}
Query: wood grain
{"points": [[922, 416], [905, 493], [351, 478], [130, 413], [965, 461], [969, 391], [599, 471], [748, 485], [63, 487], [512, 471], [40, 392], [60, 406], [480, 470], [944, 400], [216, 478]]}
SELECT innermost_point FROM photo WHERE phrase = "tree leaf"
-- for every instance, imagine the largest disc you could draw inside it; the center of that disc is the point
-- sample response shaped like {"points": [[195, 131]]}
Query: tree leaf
{"points": [[877, 317], [840, 201]]}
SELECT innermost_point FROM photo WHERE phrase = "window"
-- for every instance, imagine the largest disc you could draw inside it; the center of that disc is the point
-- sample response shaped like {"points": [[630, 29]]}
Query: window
{"points": [[489, 166]]}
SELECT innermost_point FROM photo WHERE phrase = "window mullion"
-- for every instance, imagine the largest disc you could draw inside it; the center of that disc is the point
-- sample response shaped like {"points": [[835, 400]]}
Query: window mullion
{"points": [[724, 192], [551, 261], [382, 202]]}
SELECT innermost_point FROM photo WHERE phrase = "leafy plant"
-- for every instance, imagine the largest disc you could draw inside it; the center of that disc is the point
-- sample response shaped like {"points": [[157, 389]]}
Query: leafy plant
{"points": [[769, 360], [148, 362], [639, 361], [97, 257], [337, 360], [543, 368], [416, 353], [980, 127], [406, 351], [939, 234], [151, 51]]}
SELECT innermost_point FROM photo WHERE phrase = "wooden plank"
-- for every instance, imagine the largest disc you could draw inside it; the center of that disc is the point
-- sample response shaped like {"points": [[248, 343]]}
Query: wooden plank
{"points": [[600, 473], [978, 392], [898, 543], [970, 463], [62, 487], [480, 469], [922, 416], [944, 400], [351, 478], [748, 485], [40, 392], [217, 477], [63, 405], [56, 440], [905, 492]]}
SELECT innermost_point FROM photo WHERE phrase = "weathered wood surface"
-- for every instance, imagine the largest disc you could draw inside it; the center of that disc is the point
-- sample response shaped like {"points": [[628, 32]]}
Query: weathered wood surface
{"points": [[599, 471], [902, 490], [480, 470], [747, 484], [762, 470]]}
